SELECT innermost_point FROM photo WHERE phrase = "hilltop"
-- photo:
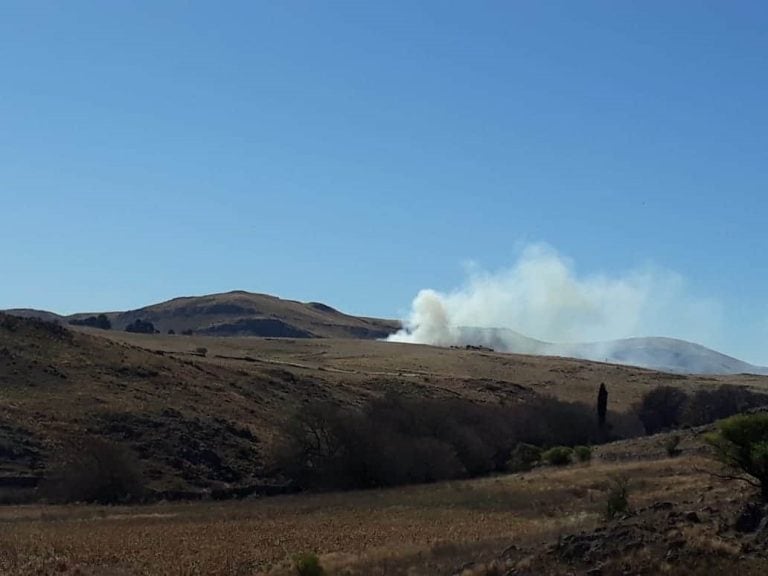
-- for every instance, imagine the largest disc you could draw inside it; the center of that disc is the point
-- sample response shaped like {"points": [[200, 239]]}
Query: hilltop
{"points": [[240, 313]]}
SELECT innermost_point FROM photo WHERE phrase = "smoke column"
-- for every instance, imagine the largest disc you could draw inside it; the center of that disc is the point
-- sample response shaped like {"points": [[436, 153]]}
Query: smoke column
{"points": [[542, 297]]}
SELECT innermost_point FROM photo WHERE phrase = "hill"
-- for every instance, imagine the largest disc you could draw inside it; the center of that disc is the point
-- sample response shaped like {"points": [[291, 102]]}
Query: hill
{"points": [[200, 412], [664, 354], [240, 313]]}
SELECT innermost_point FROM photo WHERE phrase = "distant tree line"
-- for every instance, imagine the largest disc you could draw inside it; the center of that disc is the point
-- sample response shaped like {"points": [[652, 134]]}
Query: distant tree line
{"points": [[396, 440], [141, 327], [667, 408], [101, 321]]}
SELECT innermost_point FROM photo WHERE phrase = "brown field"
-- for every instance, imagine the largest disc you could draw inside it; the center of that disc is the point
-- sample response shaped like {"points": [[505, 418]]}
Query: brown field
{"points": [[433, 529]]}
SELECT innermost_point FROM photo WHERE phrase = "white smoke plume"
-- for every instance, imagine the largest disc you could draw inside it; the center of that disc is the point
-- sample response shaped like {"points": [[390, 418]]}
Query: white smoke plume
{"points": [[542, 297]]}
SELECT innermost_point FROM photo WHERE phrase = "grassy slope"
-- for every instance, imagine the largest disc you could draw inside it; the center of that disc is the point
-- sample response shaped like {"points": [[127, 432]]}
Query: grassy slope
{"points": [[204, 422]]}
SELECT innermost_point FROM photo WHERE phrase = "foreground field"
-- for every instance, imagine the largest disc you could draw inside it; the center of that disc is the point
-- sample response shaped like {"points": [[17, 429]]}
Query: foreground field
{"points": [[434, 529]]}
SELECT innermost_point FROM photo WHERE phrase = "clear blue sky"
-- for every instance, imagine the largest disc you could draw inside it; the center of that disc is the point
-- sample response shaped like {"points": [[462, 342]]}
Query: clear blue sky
{"points": [[355, 152]]}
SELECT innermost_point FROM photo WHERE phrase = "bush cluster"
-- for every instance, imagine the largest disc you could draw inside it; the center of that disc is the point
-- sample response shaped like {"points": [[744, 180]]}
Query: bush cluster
{"points": [[141, 327], [101, 321], [90, 469], [397, 440], [667, 408]]}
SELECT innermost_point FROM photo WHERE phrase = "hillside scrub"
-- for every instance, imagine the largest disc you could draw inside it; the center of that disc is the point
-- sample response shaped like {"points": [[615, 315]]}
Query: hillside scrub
{"points": [[94, 470], [668, 408], [741, 444], [394, 440]]}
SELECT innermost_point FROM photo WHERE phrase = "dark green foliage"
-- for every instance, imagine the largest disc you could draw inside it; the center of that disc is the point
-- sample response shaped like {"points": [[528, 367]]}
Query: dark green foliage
{"points": [[602, 406], [741, 444], [558, 456], [618, 497], [524, 457], [141, 327], [308, 564], [94, 470], [101, 321], [583, 453]]}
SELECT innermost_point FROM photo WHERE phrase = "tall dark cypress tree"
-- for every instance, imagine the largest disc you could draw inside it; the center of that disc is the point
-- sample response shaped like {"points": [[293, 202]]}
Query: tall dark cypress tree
{"points": [[602, 406]]}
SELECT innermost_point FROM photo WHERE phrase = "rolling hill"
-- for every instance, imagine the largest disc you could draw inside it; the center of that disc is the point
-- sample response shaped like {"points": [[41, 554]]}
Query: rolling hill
{"points": [[240, 313], [200, 412], [665, 354]]}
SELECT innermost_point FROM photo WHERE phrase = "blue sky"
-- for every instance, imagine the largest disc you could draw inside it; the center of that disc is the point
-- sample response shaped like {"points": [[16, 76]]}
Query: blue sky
{"points": [[357, 152]]}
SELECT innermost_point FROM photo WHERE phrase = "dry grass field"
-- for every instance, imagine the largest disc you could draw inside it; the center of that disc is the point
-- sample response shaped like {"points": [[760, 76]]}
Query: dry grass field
{"points": [[474, 373], [431, 529]]}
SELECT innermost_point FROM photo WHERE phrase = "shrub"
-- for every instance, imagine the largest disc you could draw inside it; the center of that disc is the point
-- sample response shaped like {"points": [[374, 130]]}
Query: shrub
{"points": [[524, 457], [618, 497], [141, 327], [709, 405], [94, 470], [741, 444], [398, 440], [308, 564], [583, 453], [671, 444], [558, 456], [661, 409], [201, 351]]}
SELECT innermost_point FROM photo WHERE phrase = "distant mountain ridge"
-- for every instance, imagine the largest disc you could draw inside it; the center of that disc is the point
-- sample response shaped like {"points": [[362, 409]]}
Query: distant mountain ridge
{"points": [[240, 313], [656, 353]]}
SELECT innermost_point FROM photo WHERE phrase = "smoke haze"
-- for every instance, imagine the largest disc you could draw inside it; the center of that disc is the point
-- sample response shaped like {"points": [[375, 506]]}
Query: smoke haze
{"points": [[542, 297]]}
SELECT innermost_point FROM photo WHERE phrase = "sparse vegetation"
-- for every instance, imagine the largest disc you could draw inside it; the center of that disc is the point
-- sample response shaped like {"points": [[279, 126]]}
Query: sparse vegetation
{"points": [[618, 497], [558, 456], [741, 444], [583, 453], [524, 457], [671, 445], [308, 564], [201, 351]]}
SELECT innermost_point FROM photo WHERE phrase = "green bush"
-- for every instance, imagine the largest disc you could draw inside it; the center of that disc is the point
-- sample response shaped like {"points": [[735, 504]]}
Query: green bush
{"points": [[671, 445], [524, 457], [741, 444], [583, 453], [618, 497], [558, 456], [308, 564]]}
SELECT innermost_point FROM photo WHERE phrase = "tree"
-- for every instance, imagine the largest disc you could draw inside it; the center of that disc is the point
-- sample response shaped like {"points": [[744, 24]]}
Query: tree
{"points": [[101, 321], [662, 409], [141, 327], [602, 406], [741, 444]]}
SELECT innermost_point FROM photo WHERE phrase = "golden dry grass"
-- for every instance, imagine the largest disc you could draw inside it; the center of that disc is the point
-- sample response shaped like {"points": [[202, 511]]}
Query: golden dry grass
{"points": [[414, 530]]}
